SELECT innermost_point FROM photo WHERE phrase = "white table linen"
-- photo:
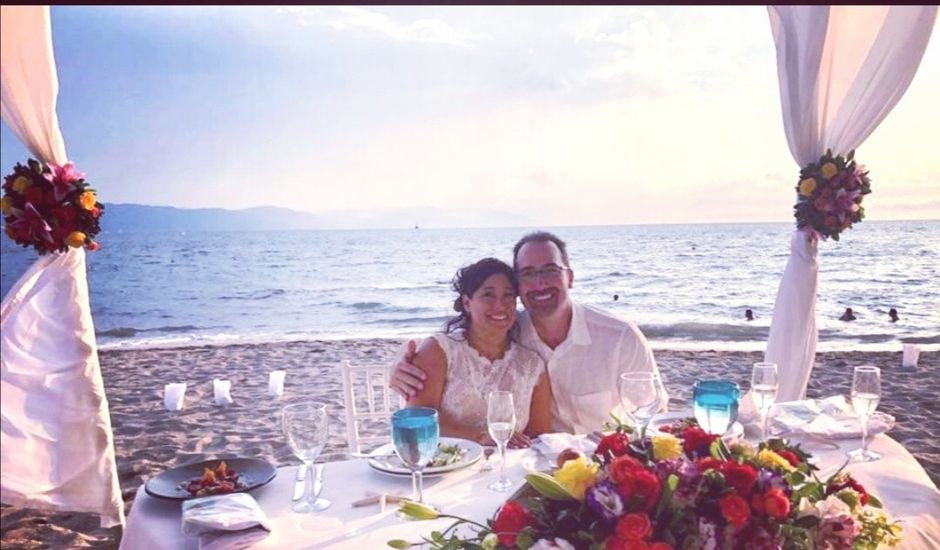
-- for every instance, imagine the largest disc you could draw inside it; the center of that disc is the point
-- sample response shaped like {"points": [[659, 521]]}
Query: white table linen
{"points": [[154, 524]]}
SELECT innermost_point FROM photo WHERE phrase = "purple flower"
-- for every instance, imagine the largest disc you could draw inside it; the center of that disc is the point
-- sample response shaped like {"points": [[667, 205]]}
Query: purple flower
{"points": [[604, 500]]}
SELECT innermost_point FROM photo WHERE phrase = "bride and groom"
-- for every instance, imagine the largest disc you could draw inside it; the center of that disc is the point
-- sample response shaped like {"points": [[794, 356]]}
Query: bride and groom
{"points": [[561, 360]]}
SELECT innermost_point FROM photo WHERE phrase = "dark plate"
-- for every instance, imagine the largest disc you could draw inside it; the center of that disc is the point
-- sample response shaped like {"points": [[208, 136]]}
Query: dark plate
{"points": [[252, 471]]}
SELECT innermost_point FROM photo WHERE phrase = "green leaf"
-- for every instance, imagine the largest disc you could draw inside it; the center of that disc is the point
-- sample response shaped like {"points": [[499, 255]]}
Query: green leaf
{"points": [[400, 544], [873, 501], [672, 482], [548, 486], [524, 540]]}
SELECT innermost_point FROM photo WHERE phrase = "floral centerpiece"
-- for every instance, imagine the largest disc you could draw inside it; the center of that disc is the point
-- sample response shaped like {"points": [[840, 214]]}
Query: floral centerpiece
{"points": [[50, 207], [685, 490], [829, 195]]}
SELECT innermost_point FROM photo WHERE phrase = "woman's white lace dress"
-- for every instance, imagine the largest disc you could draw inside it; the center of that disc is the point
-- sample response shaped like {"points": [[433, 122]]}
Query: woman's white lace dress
{"points": [[471, 377]]}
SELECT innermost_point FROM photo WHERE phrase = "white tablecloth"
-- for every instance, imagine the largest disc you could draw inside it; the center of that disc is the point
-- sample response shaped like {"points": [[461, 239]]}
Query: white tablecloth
{"points": [[154, 524]]}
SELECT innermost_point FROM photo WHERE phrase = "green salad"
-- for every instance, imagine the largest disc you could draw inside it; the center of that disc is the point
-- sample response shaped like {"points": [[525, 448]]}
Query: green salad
{"points": [[447, 454]]}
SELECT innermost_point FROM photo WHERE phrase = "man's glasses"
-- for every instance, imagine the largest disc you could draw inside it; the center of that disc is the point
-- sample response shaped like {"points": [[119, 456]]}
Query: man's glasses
{"points": [[547, 273]]}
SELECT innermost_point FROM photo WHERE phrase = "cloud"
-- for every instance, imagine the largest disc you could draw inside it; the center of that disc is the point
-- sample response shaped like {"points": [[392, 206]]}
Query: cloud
{"points": [[373, 23]]}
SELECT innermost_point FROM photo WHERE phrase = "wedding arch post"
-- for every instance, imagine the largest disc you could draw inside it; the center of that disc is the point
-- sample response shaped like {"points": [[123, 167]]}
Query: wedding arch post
{"points": [[57, 444], [841, 71]]}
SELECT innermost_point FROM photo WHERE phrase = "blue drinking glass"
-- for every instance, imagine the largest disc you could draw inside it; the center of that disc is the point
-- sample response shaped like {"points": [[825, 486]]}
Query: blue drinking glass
{"points": [[715, 403], [415, 433]]}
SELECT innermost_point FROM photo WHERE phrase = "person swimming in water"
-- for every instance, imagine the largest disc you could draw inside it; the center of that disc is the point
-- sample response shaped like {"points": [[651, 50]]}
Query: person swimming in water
{"points": [[849, 315]]}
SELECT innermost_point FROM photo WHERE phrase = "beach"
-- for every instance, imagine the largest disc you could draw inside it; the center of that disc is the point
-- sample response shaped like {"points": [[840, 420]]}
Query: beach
{"points": [[150, 439]]}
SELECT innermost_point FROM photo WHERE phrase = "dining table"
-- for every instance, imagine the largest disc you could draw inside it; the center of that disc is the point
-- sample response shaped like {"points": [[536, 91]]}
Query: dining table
{"points": [[907, 492]]}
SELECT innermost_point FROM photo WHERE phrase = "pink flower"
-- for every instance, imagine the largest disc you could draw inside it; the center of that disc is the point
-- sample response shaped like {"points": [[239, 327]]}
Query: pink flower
{"points": [[62, 178], [29, 220]]}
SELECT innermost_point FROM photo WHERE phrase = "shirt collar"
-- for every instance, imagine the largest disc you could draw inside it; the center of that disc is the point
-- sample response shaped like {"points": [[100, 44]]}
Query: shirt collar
{"points": [[578, 334]]}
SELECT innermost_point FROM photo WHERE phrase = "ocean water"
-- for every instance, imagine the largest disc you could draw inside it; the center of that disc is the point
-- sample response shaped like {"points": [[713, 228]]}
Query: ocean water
{"points": [[687, 286]]}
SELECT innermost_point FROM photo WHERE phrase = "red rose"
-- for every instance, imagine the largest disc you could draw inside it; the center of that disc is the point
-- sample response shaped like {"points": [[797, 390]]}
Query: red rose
{"points": [[739, 476], [93, 246], [634, 527], [95, 212], [790, 456], [735, 510], [849, 482], [647, 486], [660, 546], [696, 440], [777, 504], [34, 195], [622, 467], [708, 463], [511, 519], [615, 444], [66, 213], [757, 502]]}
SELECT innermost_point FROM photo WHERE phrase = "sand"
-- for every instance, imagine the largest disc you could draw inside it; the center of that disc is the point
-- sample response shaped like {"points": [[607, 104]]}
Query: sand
{"points": [[149, 439]]}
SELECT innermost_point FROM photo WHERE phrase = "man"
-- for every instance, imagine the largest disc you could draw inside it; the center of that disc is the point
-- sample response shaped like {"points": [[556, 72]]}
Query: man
{"points": [[585, 349]]}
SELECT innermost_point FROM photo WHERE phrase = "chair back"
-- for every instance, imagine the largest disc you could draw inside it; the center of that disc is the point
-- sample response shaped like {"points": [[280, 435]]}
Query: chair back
{"points": [[369, 404]]}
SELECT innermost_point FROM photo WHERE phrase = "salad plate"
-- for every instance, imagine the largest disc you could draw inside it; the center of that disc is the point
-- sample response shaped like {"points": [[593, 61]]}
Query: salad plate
{"points": [[452, 454]]}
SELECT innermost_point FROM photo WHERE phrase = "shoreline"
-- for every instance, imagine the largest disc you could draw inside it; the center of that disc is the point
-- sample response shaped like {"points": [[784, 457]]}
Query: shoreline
{"points": [[148, 439]]}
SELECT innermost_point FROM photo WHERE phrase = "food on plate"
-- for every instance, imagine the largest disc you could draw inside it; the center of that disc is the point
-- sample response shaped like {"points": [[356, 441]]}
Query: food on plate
{"points": [[679, 425], [566, 455], [447, 454], [214, 481]]}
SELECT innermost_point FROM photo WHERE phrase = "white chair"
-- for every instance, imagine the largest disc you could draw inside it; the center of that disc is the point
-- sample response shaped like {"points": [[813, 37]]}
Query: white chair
{"points": [[373, 380]]}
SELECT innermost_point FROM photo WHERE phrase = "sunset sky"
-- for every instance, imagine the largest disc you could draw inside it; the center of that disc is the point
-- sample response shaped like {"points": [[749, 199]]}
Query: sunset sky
{"points": [[561, 115]]}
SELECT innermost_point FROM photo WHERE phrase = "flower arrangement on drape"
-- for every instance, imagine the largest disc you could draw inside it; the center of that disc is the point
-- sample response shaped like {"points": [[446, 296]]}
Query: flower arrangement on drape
{"points": [[56, 439], [841, 71]]}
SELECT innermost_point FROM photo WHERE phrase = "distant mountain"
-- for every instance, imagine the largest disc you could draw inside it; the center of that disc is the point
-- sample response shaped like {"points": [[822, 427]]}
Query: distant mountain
{"points": [[139, 217]]}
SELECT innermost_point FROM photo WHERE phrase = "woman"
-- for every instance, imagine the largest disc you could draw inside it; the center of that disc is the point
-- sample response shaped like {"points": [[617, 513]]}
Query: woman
{"points": [[477, 354]]}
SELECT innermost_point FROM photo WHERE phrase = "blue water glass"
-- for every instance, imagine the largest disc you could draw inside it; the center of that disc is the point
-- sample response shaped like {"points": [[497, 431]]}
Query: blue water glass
{"points": [[415, 433], [715, 403]]}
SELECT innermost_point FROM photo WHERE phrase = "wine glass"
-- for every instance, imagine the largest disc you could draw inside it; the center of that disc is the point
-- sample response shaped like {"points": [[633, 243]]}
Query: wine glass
{"points": [[306, 426], [501, 421], [866, 393], [764, 386], [415, 433], [715, 404], [641, 396]]}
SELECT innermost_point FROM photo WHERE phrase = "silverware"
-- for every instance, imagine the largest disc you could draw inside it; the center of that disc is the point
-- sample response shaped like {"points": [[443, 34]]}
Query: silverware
{"points": [[317, 481], [301, 483]]}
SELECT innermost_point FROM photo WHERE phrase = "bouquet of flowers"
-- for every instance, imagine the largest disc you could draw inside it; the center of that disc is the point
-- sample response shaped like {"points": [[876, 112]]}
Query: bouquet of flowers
{"points": [[829, 195], [50, 207], [685, 490]]}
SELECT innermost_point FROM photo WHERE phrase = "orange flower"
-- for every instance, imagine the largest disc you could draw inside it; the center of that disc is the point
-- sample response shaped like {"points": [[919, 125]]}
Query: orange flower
{"points": [[87, 200], [75, 239]]}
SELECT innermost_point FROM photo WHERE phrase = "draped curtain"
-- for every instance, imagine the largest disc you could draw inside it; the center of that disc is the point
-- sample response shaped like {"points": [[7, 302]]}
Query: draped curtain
{"points": [[57, 444], [841, 71]]}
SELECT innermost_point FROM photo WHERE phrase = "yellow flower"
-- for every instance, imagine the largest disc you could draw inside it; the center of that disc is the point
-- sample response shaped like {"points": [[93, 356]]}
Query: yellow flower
{"points": [[807, 186], [577, 476], [20, 184], [666, 446], [770, 459], [5, 204], [75, 239], [87, 200], [828, 170]]}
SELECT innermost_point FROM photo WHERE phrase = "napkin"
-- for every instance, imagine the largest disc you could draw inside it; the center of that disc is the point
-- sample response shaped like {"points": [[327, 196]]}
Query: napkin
{"points": [[220, 388], [832, 417], [909, 355], [225, 522], [173, 395], [276, 383], [553, 443]]}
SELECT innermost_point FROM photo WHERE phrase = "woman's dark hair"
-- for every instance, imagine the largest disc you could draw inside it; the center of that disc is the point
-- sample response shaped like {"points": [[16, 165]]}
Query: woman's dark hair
{"points": [[467, 281]]}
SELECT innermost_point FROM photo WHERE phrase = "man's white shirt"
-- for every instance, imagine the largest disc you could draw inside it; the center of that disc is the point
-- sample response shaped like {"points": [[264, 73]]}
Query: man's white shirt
{"points": [[584, 370]]}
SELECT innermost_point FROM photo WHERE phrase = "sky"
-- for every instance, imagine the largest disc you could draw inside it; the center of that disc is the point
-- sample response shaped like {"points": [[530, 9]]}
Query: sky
{"points": [[555, 115]]}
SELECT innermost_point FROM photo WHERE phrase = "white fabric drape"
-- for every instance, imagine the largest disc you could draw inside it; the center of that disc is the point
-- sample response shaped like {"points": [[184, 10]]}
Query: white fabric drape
{"points": [[841, 70], [57, 444]]}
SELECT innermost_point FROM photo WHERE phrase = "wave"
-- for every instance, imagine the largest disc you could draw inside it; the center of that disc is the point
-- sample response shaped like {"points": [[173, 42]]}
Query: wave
{"points": [[257, 295], [921, 339], [705, 331], [127, 332]]}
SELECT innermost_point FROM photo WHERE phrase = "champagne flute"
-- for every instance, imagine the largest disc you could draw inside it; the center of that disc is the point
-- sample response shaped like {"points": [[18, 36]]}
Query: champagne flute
{"points": [[415, 433], [501, 421], [641, 396], [866, 393], [715, 404], [306, 426], [764, 385]]}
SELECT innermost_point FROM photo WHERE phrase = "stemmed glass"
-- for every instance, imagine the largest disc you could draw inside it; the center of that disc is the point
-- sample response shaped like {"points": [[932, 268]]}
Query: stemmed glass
{"points": [[641, 396], [306, 426], [866, 393], [764, 385], [715, 404], [501, 421], [415, 433]]}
